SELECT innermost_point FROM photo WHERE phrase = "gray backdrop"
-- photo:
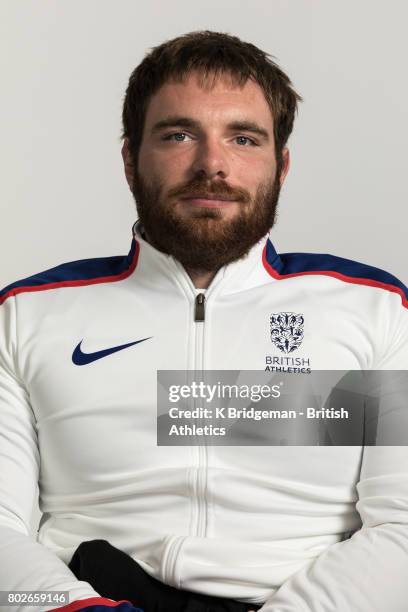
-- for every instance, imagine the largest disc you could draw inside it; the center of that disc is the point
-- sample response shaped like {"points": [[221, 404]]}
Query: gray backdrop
{"points": [[64, 69]]}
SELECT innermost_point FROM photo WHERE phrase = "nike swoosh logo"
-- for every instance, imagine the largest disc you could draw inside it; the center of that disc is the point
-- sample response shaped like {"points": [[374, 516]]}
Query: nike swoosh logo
{"points": [[79, 358]]}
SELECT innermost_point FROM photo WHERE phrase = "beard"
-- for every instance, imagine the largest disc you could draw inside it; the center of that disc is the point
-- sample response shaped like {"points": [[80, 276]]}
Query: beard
{"points": [[205, 240]]}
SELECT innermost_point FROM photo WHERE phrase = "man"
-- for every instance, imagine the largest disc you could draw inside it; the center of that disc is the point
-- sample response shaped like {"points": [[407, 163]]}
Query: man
{"points": [[206, 123]]}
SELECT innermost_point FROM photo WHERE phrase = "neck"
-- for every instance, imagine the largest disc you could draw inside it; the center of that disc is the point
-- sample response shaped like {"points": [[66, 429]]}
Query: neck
{"points": [[201, 279]]}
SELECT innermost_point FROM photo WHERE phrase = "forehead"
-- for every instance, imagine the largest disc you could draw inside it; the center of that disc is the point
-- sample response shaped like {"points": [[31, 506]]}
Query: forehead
{"points": [[213, 97]]}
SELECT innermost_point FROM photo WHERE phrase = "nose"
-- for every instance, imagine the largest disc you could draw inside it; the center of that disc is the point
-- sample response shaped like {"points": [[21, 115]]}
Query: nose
{"points": [[211, 160]]}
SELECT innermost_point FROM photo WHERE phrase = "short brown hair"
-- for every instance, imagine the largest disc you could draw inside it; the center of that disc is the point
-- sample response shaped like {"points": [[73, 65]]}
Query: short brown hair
{"points": [[209, 53]]}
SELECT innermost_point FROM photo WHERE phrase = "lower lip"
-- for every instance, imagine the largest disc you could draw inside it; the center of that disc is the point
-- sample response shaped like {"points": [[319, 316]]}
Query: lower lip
{"points": [[208, 203]]}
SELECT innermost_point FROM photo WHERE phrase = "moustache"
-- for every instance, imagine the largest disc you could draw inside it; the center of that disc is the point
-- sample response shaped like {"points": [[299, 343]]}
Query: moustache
{"points": [[203, 189]]}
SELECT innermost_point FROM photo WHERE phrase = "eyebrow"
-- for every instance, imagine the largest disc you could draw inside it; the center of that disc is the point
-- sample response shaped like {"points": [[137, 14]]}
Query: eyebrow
{"points": [[187, 122]]}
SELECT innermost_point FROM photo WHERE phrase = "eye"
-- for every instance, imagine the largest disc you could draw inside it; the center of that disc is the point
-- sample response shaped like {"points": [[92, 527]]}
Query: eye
{"points": [[245, 140], [176, 137]]}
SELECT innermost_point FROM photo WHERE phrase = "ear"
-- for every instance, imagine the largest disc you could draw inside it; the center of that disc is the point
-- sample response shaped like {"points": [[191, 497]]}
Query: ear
{"points": [[285, 164], [128, 163]]}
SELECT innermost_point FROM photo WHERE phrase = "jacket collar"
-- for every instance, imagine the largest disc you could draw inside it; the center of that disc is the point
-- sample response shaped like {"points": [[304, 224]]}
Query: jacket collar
{"points": [[162, 270]]}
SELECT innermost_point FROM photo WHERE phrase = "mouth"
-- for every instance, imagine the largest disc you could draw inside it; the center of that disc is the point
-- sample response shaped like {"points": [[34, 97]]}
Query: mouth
{"points": [[210, 201]]}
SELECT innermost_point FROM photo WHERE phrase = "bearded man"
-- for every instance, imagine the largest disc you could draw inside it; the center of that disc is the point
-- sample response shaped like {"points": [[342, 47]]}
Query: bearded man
{"points": [[131, 524]]}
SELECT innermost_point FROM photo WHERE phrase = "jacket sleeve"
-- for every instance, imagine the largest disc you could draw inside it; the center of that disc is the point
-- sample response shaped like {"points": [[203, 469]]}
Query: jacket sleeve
{"points": [[24, 563], [369, 571]]}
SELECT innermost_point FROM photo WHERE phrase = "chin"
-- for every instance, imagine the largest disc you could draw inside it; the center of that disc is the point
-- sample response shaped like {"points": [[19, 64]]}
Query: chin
{"points": [[215, 214]]}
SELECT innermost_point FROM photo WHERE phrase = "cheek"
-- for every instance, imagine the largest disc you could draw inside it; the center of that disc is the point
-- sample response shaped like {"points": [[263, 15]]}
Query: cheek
{"points": [[266, 173], [251, 177], [253, 163], [146, 163], [164, 165]]}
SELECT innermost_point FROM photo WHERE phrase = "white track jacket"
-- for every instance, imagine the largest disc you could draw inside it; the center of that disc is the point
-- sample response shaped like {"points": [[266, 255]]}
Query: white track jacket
{"points": [[257, 524]]}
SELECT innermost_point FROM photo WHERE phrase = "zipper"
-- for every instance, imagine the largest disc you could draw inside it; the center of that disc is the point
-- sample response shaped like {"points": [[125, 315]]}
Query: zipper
{"points": [[200, 485], [199, 309], [199, 473]]}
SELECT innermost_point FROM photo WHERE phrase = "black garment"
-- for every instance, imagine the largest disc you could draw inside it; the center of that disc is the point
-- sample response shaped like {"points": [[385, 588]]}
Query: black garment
{"points": [[113, 574]]}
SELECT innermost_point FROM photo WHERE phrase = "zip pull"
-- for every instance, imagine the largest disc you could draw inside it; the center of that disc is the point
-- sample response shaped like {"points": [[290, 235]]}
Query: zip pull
{"points": [[199, 310]]}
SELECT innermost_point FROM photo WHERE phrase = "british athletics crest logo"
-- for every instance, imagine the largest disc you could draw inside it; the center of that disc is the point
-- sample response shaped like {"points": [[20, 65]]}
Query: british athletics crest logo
{"points": [[287, 330]]}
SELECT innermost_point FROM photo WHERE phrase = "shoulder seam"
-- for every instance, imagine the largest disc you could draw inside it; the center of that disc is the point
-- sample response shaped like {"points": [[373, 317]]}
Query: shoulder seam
{"points": [[74, 283], [339, 275]]}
